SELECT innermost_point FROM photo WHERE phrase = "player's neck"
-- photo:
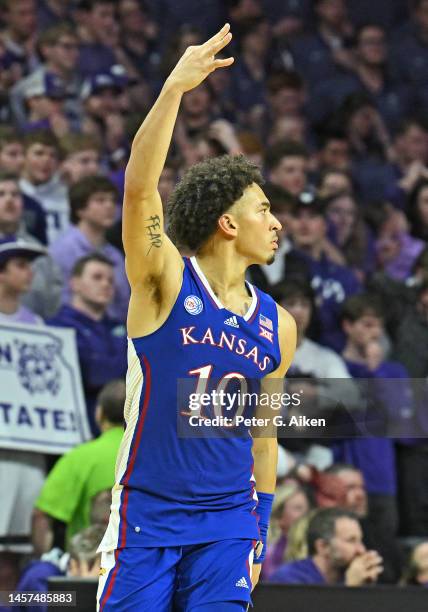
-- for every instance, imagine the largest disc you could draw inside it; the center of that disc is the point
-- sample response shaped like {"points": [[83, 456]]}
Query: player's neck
{"points": [[225, 273]]}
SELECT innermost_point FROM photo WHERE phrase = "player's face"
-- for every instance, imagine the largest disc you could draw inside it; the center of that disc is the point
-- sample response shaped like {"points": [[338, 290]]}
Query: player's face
{"points": [[347, 543], [257, 236]]}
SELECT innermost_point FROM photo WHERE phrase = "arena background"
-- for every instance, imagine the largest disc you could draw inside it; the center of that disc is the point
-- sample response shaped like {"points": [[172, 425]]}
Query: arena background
{"points": [[330, 99]]}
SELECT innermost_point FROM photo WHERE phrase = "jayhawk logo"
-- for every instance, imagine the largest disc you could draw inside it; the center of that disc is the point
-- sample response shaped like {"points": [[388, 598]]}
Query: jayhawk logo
{"points": [[37, 367]]}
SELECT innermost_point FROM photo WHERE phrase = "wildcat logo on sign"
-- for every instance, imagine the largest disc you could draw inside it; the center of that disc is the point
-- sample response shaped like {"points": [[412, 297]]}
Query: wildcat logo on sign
{"points": [[42, 406], [38, 368]]}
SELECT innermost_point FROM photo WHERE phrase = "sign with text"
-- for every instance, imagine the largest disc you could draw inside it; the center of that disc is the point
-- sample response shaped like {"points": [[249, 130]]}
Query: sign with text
{"points": [[42, 406]]}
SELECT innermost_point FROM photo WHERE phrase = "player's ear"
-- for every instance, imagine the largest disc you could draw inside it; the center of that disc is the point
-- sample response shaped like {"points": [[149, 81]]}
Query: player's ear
{"points": [[228, 225]]}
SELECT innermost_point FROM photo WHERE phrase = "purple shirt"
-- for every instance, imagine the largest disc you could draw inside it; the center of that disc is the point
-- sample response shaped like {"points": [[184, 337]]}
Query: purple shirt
{"points": [[274, 557], [22, 315], [71, 246], [303, 571]]}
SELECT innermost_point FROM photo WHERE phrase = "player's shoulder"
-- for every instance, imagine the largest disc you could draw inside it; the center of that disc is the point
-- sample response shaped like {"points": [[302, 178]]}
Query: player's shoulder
{"points": [[286, 322]]}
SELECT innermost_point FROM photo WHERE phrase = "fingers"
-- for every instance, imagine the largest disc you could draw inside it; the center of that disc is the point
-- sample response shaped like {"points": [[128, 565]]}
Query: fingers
{"points": [[219, 36], [217, 46], [223, 63]]}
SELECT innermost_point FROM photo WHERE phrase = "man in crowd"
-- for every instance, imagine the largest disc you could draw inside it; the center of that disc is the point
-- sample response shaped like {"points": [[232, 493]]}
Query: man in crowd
{"points": [[286, 164], [93, 212], [59, 48], [101, 341], [16, 276], [81, 474], [331, 281], [40, 180], [80, 157], [44, 294], [337, 554]]}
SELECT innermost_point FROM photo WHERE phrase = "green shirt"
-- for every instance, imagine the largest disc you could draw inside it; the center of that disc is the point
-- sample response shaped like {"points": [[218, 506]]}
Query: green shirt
{"points": [[79, 475]]}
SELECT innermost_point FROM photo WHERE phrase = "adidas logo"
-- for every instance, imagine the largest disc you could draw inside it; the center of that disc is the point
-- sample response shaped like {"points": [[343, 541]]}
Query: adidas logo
{"points": [[242, 583], [233, 322]]}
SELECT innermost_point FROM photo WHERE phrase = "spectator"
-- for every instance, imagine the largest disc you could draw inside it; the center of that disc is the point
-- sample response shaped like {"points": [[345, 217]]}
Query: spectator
{"points": [[11, 151], [397, 250], [44, 294], [332, 282], [369, 76], [93, 211], [81, 474], [334, 152], [349, 233], [12, 159], [410, 349], [105, 101], [337, 554], [322, 55], [19, 36], [82, 561], [417, 209], [98, 32], [356, 500], [286, 165], [249, 70], [139, 34], [40, 180], [15, 279], [409, 53], [411, 158], [80, 157], [389, 405], [412, 336], [290, 504], [101, 341], [333, 182], [51, 12], [45, 103], [21, 473], [59, 49], [416, 573], [311, 358]]}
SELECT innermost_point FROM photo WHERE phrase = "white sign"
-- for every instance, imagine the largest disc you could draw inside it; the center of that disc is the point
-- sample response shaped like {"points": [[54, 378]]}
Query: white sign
{"points": [[42, 406]]}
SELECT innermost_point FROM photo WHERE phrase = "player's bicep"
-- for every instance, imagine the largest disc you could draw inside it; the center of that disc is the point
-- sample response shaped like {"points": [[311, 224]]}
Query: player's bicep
{"points": [[146, 245]]}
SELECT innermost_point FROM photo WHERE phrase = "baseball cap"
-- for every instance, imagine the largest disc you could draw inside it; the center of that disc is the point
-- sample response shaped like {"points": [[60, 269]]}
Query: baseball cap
{"points": [[115, 78], [50, 85], [308, 200], [13, 247]]}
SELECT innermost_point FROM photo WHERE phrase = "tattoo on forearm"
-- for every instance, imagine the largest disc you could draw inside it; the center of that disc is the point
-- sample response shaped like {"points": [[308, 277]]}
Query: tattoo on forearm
{"points": [[153, 225]]}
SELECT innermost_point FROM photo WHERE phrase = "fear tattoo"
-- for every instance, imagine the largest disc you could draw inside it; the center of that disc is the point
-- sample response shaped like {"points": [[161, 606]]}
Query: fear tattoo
{"points": [[153, 226]]}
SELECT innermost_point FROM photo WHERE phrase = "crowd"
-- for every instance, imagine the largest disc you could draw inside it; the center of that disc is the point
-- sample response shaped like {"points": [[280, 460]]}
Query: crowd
{"points": [[330, 99]]}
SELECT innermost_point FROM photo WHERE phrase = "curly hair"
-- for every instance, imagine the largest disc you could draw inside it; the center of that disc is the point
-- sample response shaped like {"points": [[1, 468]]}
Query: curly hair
{"points": [[204, 193]]}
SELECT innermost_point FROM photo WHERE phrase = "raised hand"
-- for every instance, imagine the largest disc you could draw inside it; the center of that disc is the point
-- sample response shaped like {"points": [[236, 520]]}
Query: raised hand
{"points": [[199, 61]]}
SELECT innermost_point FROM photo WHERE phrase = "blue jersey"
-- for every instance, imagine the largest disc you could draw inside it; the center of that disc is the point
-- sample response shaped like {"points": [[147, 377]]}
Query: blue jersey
{"points": [[172, 490]]}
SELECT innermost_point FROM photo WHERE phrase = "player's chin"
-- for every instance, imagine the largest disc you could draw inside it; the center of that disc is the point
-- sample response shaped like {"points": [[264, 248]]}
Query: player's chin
{"points": [[270, 259]]}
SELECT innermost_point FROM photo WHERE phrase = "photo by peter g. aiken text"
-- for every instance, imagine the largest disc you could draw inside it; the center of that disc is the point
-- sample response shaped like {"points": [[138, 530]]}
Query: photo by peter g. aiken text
{"points": [[276, 421]]}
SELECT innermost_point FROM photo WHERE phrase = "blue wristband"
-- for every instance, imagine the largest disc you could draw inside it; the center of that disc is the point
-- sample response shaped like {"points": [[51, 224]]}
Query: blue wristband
{"points": [[263, 511]]}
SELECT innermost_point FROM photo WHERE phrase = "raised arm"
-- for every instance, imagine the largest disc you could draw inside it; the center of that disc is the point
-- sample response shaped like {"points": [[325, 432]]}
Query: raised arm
{"points": [[152, 262]]}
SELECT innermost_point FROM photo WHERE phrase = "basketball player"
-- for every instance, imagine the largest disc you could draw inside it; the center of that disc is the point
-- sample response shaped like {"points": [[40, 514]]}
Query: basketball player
{"points": [[185, 517]]}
